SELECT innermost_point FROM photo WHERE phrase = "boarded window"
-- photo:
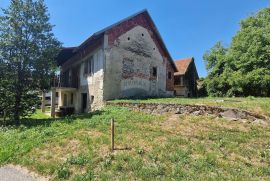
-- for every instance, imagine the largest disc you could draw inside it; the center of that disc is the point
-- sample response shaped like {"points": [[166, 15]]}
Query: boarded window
{"points": [[128, 67]]}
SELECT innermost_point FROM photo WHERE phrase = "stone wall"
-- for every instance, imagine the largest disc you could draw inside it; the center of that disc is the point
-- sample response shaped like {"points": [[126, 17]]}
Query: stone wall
{"points": [[129, 67], [229, 113]]}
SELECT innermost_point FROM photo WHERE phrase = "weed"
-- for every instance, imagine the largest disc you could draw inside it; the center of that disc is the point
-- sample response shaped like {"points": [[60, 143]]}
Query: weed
{"points": [[78, 160], [63, 172]]}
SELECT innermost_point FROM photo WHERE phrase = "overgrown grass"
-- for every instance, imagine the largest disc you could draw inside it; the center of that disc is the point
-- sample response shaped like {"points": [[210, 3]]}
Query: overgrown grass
{"points": [[148, 147], [257, 105]]}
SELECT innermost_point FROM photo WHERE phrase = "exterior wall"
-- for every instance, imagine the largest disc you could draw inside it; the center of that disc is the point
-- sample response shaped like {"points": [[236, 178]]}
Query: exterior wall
{"points": [[188, 83], [91, 84], [181, 91], [124, 57], [129, 65]]}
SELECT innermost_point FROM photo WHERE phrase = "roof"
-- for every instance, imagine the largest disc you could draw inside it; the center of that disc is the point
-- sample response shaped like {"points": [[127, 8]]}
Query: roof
{"points": [[64, 55], [182, 65]]}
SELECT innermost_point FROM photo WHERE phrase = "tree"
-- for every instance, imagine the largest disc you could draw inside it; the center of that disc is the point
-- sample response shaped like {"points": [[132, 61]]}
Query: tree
{"points": [[244, 67], [28, 49]]}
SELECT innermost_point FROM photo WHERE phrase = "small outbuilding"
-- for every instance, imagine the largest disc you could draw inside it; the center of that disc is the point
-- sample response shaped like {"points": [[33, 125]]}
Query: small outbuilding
{"points": [[185, 79]]}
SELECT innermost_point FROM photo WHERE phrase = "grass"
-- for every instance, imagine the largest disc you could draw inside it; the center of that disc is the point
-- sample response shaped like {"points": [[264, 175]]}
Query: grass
{"points": [[257, 105], [149, 147]]}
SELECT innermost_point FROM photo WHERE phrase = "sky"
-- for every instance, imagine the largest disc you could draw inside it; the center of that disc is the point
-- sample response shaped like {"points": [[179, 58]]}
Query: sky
{"points": [[188, 27]]}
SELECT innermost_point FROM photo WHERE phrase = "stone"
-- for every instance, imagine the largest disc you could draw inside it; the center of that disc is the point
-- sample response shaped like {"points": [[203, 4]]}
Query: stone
{"points": [[197, 113], [178, 111], [231, 114], [215, 112], [259, 121]]}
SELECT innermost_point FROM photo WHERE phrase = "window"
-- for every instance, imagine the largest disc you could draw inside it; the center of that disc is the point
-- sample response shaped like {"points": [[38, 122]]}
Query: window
{"points": [[91, 65], [154, 72], [169, 75], [56, 94], [71, 98], [182, 80], [92, 99], [177, 80], [86, 67], [65, 100]]}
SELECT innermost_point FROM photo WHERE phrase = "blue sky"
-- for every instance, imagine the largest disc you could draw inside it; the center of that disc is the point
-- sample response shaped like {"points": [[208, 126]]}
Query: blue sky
{"points": [[188, 27]]}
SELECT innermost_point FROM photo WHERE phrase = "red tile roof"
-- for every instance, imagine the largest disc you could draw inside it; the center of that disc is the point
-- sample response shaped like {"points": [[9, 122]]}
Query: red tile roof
{"points": [[182, 65]]}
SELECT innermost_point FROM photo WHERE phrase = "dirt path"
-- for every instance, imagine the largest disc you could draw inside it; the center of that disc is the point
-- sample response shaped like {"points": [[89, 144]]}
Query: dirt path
{"points": [[17, 173]]}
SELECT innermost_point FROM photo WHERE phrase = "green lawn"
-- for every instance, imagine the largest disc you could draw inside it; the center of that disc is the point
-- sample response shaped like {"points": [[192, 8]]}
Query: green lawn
{"points": [[257, 105], [149, 147]]}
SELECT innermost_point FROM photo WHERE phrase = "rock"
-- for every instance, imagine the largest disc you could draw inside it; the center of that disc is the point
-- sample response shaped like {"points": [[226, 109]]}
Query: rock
{"points": [[259, 121], [228, 113], [231, 114], [197, 113], [177, 111]]}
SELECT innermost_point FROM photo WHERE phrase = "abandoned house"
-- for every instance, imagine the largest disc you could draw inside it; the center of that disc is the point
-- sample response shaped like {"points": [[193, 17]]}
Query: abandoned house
{"points": [[125, 60], [185, 78]]}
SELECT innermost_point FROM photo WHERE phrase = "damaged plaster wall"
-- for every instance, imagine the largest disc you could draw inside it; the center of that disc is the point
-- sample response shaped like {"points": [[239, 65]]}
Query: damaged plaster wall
{"points": [[129, 67], [92, 84]]}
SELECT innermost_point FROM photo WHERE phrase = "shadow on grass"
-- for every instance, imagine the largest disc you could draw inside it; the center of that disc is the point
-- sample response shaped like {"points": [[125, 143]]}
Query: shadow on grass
{"points": [[123, 149], [31, 122]]}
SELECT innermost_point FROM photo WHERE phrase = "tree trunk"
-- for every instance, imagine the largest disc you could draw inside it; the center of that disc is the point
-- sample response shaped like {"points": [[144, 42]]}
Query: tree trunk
{"points": [[17, 108], [18, 95]]}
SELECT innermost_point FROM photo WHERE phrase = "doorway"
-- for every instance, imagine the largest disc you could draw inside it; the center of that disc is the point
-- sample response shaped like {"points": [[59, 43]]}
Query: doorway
{"points": [[84, 102], [65, 99]]}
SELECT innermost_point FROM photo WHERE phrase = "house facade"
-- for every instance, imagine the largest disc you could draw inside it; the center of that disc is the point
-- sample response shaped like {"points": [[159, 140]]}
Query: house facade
{"points": [[185, 78], [125, 60]]}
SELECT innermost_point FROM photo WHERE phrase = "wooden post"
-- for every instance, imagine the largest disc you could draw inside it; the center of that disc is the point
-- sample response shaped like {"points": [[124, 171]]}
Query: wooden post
{"points": [[53, 102], [112, 134], [43, 102]]}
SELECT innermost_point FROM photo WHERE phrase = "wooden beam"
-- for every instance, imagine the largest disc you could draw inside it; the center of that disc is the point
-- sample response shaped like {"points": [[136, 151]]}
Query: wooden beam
{"points": [[53, 94]]}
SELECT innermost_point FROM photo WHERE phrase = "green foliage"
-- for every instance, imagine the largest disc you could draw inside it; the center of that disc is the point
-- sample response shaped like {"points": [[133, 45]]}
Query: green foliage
{"points": [[27, 51], [243, 68], [78, 160], [75, 148], [63, 172]]}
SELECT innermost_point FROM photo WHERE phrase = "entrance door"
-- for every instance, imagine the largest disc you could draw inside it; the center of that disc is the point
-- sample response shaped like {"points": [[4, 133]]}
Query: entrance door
{"points": [[84, 102], [65, 99]]}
